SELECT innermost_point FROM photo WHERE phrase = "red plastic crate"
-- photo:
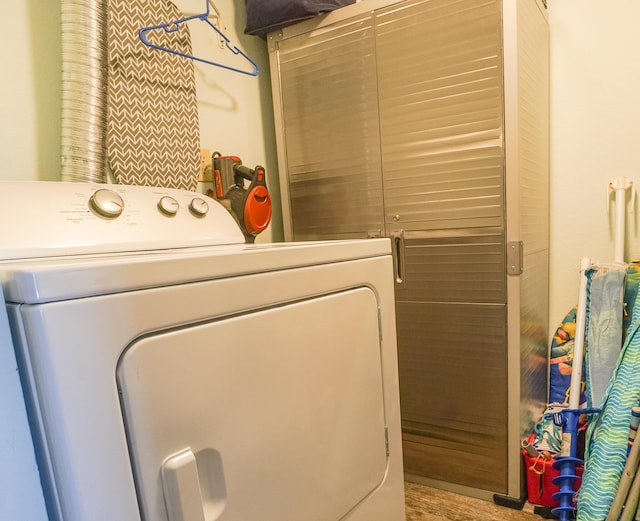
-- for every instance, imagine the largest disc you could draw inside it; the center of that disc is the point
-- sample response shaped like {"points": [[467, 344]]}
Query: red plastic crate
{"points": [[540, 473]]}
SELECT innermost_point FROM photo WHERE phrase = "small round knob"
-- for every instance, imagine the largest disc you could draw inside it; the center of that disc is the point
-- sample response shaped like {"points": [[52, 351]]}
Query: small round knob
{"points": [[168, 205], [107, 203], [396, 218], [199, 207]]}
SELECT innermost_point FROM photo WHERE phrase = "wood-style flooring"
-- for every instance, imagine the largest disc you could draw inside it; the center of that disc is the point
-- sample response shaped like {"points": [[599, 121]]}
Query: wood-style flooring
{"points": [[430, 504]]}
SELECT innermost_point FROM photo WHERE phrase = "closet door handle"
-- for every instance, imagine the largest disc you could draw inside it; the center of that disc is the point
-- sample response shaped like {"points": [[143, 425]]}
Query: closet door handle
{"points": [[397, 251]]}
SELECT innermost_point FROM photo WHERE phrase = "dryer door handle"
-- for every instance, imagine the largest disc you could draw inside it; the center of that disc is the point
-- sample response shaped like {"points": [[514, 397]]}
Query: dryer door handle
{"points": [[181, 485]]}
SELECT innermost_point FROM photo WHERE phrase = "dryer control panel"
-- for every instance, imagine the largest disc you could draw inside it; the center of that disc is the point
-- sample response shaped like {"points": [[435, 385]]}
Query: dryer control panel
{"points": [[49, 219]]}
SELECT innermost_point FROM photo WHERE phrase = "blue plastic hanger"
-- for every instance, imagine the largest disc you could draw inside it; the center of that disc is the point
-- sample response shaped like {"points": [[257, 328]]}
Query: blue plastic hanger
{"points": [[172, 27]]}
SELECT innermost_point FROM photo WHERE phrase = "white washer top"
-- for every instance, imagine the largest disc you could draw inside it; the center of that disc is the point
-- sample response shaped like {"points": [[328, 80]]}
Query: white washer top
{"points": [[70, 240], [50, 219]]}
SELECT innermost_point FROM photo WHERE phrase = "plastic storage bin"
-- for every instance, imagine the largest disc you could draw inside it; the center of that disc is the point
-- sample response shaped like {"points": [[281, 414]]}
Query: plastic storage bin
{"points": [[540, 474]]}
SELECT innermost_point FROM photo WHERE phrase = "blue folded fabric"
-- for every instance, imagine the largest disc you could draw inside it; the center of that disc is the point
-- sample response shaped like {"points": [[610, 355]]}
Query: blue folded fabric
{"points": [[604, 329]]}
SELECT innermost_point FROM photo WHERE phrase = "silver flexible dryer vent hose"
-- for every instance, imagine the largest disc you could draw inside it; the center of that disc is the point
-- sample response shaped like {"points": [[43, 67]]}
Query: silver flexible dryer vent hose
{"points": [[84, 90]]}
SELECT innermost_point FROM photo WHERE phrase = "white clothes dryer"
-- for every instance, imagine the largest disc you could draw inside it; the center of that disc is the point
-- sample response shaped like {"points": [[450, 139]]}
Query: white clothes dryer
{"points": [[174, 373]]}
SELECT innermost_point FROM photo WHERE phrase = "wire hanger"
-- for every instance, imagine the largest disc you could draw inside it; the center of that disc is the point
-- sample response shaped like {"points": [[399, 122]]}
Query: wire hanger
{"points": [[172, 27]]}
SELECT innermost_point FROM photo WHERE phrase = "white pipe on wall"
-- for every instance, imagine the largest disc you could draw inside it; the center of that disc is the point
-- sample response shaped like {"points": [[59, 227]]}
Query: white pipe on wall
{"points": [[620, 185]]}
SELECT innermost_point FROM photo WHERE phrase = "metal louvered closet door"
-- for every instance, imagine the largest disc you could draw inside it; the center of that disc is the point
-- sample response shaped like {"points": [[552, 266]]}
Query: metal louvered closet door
{"points": [[441, 120], [330, 111], [392, 124]]}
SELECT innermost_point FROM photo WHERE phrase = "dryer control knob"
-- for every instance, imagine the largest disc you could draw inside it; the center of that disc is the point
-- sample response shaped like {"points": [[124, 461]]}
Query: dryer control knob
{"points": [[199, 207], [107, 203], [168, 205]]}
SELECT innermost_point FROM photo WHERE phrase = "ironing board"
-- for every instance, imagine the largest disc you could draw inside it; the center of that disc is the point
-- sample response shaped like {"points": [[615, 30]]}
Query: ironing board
{"points": [[152, 114]]}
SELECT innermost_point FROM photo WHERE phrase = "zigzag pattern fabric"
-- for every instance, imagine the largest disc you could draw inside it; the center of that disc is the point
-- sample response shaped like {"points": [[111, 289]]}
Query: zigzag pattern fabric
{"points": [[607, 435], [152, 115]]}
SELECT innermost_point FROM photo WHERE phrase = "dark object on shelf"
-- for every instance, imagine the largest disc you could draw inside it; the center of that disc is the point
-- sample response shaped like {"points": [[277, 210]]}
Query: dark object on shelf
{"points": [[265, 16]]}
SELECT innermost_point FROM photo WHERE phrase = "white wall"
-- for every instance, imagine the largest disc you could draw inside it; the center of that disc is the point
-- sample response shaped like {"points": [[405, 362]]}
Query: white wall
{"points": [[595, 134], [30, 92]]}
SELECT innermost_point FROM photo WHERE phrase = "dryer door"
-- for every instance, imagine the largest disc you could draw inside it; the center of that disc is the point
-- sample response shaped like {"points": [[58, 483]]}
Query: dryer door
{"points": [[226, 418]]}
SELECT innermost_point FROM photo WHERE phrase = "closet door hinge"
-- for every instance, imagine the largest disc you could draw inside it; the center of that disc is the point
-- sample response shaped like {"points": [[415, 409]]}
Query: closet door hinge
{"points": [[515, 257]]}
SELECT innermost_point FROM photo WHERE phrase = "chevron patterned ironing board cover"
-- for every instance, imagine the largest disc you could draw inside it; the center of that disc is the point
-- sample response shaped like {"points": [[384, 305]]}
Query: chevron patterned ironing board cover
{"points": [[152, 114]]}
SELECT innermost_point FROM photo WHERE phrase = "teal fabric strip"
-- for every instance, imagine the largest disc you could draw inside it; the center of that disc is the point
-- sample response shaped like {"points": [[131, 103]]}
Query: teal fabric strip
{"points": [[607, 434], [631, 285]]}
